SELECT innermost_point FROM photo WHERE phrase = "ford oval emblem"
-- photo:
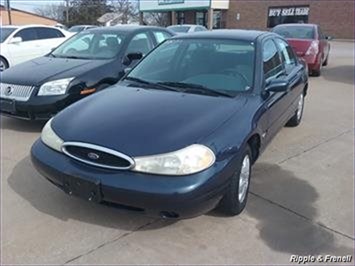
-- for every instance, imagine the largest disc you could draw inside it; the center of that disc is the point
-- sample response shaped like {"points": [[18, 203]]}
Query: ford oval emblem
{"points": [[93, 156]]}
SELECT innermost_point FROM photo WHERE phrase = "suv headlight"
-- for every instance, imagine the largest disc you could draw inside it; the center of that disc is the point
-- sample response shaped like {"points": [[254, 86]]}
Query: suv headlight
{"points": [[55, 87], [187, 161], [50, 138]]}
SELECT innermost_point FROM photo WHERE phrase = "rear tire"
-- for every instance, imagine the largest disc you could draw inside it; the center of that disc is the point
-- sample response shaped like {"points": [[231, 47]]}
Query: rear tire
{"points": [[316, 73], [297, 117], [235, 199], [326, 61], [3, 64]]}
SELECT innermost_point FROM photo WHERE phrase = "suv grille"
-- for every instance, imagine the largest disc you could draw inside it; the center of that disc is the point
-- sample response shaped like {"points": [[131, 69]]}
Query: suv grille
{"points": [[97, 156], [15, 92]]}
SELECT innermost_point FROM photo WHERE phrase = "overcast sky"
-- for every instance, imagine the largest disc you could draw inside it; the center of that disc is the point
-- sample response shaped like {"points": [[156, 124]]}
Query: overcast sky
{"points": [[30, 5]]}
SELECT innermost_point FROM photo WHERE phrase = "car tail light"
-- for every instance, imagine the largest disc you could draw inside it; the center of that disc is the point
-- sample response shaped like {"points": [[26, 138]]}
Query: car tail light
{"points": [[313, 48]]}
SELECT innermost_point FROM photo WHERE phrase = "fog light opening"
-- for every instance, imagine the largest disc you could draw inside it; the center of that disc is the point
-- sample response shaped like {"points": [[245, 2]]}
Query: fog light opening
{"points": [[169, 215]]}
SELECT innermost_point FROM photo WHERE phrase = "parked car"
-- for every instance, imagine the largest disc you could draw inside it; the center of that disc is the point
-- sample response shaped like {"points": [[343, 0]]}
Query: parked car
{"points": [[90, 61], [179, 134], [23, 43], [79, 28], [309, 43], [186, 28]]}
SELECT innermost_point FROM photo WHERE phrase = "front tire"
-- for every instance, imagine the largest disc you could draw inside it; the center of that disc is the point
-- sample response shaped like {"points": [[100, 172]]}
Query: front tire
{"points": [[234, 201], [3, 64], [297, 117]]}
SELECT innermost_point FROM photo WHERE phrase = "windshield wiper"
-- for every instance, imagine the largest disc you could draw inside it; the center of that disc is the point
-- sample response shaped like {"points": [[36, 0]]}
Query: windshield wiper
{"points": [[195, 88], [150, 84]]}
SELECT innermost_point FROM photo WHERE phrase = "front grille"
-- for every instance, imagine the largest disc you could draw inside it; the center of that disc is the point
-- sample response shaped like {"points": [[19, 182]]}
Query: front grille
{"points": [[15, 92], [97, 156]]}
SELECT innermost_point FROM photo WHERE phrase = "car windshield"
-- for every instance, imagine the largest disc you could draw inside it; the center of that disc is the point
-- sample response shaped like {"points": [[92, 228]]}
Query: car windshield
{"points": [[91, 45], [199, 65], [295, 32], [76, 28], [5, 33], [182, 29]]}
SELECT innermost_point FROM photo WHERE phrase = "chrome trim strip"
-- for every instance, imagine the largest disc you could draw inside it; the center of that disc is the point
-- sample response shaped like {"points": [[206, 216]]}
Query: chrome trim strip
{"points": [[98, 148]]}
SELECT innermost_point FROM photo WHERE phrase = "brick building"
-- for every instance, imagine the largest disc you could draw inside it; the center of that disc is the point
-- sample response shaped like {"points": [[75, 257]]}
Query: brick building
{"points": [[20, 17], [336, 17]]}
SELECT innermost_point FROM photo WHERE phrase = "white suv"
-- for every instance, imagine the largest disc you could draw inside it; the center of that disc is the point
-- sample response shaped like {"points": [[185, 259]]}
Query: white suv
{"points": [[23, 43]]}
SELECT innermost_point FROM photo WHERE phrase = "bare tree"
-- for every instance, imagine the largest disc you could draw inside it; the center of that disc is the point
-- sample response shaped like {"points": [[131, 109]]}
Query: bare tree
{"points": [[157, 19], [127, 9], [53, 11]]}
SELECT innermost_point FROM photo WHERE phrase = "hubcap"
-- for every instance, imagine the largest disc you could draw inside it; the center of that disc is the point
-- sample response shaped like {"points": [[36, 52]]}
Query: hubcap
{"points": [[244, 179], [300, 107]]}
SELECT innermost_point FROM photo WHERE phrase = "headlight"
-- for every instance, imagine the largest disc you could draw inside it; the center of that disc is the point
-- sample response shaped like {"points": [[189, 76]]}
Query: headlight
{"points": [[50, 138], [56, 87], [187, 161]]}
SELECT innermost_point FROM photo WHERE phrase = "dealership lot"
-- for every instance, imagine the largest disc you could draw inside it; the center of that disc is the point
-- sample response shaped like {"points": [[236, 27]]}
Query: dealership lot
{"points": [[302, 199]]}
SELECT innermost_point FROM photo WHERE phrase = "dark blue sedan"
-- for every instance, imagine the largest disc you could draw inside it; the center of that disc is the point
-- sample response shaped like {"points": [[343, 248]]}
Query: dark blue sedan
{"points": [[179, 134]]}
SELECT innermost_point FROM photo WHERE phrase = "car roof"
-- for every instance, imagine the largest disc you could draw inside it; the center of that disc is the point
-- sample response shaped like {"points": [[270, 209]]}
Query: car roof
{"points": [[28, 26], [297, 24], [125, 28], [185, 25], [245, 35]]}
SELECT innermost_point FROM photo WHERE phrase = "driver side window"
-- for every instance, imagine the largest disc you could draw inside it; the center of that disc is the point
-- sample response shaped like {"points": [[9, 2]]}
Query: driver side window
{"points": [[140, 43], [271, 60]]}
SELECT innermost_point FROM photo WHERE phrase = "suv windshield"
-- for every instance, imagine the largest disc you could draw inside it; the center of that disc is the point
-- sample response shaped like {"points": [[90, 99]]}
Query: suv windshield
{"points": [[5, 33], [295, 32], [194, 65], [182, 29], [91, 45]]}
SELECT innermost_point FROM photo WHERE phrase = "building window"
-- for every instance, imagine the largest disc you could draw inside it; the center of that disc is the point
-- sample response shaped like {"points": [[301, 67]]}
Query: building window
{"points": [[287, 14], [201, 18], [217, 19], [180, 17]]}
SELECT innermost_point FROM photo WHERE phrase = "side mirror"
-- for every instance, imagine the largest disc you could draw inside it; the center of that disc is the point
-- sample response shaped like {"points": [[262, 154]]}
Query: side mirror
{"points": [[329, 38], [16, 40], [277, 85], [128, 59]]}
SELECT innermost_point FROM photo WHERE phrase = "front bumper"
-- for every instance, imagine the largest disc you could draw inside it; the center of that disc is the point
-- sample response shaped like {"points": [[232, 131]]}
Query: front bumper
{"points": [[163, 196], [37, 107]]}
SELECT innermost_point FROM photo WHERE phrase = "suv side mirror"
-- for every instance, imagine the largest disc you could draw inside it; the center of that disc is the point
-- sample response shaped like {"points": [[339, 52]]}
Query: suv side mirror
{"points": [[277, 85], [128, 59], [16, 40]]}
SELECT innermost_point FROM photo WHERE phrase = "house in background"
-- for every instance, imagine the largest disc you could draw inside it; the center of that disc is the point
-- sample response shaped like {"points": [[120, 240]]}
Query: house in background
{"points": [[20, 17]]}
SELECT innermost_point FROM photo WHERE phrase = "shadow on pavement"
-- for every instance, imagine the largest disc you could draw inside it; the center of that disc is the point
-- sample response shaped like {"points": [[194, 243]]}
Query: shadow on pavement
{"points": [[48, 199], [21, 125], [280, 228], [342, 74]]}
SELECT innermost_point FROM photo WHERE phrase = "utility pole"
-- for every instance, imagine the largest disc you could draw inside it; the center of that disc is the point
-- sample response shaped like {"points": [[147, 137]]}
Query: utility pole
{"points": [[9, 11], [67, 12]]}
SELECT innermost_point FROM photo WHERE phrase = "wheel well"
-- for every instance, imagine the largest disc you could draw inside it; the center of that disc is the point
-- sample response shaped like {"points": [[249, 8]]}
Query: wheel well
{"points": [[7, 62], [254, 144]]}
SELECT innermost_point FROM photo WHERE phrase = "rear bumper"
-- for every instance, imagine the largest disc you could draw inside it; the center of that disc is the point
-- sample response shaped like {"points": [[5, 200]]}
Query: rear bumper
{"points": [[178, 197], [314, 62], [37, 108]]}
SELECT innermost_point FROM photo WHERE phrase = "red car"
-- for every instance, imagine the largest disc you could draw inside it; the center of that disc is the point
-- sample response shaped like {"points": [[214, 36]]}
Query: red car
{"points": [[308, 42]]}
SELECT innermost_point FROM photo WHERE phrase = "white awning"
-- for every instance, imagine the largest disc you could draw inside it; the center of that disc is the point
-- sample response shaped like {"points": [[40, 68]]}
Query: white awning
{"points": [[175, 5]]}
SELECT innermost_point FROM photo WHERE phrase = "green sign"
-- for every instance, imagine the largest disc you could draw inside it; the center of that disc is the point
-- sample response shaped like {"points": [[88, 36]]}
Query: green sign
{"points": [[170, 2]]}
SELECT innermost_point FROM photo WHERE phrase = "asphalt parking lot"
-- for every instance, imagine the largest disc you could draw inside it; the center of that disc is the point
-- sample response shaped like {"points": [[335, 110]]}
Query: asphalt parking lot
{"points": [[301, 202]]}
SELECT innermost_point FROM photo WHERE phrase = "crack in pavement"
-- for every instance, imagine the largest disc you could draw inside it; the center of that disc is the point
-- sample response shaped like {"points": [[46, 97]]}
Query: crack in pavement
{"points": [[302, 216], [315, 146], [112, 241]]}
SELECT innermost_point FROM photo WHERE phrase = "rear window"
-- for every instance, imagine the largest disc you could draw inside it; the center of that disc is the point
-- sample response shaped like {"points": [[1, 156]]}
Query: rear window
{"points": [[182, 29], [295, 32]]}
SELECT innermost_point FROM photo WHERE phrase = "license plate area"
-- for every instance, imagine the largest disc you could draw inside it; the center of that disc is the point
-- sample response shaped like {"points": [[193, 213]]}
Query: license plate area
{"points": [[88, 190], [7, 105]]}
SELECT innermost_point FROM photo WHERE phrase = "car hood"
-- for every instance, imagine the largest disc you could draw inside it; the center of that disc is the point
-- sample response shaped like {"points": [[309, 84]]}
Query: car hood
{"points": [[141, 122], [37, 71]]}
